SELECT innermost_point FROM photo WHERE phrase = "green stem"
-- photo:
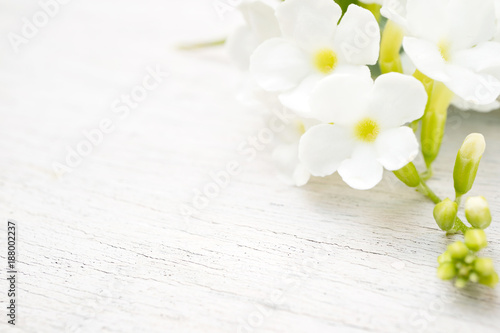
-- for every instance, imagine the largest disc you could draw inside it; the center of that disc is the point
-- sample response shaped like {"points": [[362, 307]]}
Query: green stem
{"points": [[390, 46], [428, 192], [459, 226], [427, 174], [189, 47]]}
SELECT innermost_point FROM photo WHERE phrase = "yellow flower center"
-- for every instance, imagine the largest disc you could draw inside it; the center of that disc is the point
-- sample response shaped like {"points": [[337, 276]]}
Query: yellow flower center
{"points": [[301, 127], [325, 60], [367, 130], [444, 49]]}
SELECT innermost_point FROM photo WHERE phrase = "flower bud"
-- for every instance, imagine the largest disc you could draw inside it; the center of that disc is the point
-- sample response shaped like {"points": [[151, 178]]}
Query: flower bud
{"points": [[445, 257], [408, 175], [460, 282], [490, 280], [445, 214], [467, 162], [473, 277], [475, 239], [484, 266], [478, 212], [458, 250], [434, 121], [446, 271]]}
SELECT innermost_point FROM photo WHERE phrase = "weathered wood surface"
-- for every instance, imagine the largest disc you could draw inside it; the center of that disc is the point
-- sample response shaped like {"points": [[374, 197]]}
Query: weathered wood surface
{"points": [[106, 248]]}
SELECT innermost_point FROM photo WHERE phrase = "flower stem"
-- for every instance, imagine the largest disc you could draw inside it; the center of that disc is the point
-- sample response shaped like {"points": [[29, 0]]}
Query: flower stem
{"points": [[202, 45], [459, 226], [390, 46], [428, 192]]}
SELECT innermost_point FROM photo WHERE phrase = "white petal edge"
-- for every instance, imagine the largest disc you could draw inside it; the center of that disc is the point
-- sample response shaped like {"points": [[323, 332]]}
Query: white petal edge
{"points": [[297, 99], [397, 99], [279, 65], [473, 87], [396, 147], [357, 39], [312, 23], [362, 171], [324, 147], [426, 57]]}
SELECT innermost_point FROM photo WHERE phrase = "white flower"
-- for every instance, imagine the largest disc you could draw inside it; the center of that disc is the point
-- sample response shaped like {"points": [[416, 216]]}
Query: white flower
{"points": [[290, 169], [450, 41], [362, 128], [260, 25], [458, 102], [313, 47]]}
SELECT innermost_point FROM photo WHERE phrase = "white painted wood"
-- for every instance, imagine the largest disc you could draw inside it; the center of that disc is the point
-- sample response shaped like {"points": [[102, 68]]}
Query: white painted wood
{"points": [[106, 248]]}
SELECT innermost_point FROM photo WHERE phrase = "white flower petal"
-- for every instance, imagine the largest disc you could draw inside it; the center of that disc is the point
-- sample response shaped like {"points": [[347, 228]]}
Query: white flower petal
{"points": [[425, 19], [301, 175], [473, 87], [323, 148], [395, 10], [240, 45], [297, 99], [426, 57], [482, 58], [362, 171], [310, 23], [357, 39], [470, 22], [465, 106], [290, 170], [279, 65], [396, 147], [261, 19], [341, 98], [397, 99]]}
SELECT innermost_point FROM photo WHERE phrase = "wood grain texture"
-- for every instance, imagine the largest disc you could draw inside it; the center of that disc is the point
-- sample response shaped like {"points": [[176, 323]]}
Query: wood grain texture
{"points": [[106, 248]]}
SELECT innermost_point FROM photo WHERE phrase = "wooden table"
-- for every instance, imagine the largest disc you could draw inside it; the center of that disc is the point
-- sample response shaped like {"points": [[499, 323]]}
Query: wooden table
{"points": [[107, 247]]}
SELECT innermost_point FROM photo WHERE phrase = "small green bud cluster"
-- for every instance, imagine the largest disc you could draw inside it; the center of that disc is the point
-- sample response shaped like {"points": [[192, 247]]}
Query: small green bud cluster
{"points": [[461, 262]]}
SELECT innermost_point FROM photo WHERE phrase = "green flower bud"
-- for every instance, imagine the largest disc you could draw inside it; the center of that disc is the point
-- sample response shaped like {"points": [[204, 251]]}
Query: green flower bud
{"points": [[408, 175], [434, 121], [446, 271], [445, 214], [478, 212], [458, 250], [484, 266], [490, 280], [475, 239], [469, 259], [445, 257], [460, 283], [473, 277], [467, 162]]}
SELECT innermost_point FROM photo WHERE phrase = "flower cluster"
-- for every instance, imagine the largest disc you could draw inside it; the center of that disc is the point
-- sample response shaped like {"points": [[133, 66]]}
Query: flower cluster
{"points": [[460, 262], [363, 77]]}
